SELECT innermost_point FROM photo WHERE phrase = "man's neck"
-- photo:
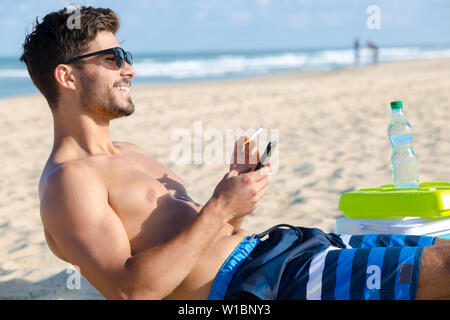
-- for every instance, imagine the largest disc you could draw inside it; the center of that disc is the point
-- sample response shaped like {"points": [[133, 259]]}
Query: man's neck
{"points": [[81, 135]]}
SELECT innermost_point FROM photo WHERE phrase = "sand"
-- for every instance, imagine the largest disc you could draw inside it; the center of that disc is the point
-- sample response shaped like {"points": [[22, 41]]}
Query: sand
{"points": [[331, 128]]}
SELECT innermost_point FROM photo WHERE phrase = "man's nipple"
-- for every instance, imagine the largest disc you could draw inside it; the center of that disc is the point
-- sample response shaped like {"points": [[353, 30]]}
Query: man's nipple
{"points": [[151, 196]]}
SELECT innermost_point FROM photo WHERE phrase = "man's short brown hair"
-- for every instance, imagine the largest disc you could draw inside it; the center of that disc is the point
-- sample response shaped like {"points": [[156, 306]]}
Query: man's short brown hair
{"points": [[52, 42]]}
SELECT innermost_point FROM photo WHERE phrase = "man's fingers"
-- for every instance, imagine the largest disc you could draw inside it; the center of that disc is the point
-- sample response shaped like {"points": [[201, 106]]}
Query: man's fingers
{"points": [[261, 192], [259, 174], [262, 184]]}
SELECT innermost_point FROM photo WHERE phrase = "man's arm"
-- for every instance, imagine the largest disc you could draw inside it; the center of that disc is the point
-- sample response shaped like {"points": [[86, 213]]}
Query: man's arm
{"points": [[75, 211], [248, 156]]}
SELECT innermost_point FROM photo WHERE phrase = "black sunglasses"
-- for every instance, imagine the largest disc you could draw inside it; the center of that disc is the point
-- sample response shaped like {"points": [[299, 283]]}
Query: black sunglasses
{"points": [[119, 54]]}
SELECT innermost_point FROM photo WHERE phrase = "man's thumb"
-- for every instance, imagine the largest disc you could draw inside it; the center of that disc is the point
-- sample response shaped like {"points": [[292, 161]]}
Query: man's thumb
{"points": [[240, 168]]}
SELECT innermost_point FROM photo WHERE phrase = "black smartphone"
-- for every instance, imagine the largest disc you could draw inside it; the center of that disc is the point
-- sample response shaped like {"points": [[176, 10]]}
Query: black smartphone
{"points": [[266, 155]]}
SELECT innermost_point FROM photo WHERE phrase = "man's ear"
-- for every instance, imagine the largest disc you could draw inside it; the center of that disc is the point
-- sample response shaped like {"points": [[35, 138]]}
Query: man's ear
{"points": [[65, 77]]}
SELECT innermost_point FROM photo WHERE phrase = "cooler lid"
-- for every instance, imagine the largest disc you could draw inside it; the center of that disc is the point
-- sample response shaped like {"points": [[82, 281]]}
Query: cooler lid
{"points": [[430, 200]]}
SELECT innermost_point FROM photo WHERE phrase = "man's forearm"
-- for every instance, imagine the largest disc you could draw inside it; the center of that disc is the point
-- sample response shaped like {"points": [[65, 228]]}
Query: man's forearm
{"points": [[156, 272]]}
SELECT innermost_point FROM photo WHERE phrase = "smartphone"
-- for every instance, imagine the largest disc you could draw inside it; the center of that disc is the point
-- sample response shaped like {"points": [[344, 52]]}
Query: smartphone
{"points": [[266, 155]]}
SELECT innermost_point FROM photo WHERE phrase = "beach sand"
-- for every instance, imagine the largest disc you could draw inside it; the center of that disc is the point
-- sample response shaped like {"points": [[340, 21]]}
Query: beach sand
{"points": [[331, 128]]}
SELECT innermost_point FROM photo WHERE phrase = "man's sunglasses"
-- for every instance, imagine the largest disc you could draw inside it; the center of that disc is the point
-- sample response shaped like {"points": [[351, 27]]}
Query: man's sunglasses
{"points": [[119, 54]]}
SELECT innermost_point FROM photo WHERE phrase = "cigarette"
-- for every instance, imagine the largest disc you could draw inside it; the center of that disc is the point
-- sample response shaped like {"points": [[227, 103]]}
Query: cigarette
{"points": [[255, 134]]}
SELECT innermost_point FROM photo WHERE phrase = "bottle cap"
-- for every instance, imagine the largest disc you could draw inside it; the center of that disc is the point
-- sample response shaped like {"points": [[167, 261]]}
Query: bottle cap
{"points": [[396, 105]]}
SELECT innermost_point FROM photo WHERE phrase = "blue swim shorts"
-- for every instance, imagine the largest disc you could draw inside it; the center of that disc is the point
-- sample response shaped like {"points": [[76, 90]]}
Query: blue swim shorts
{"points": [[307, 264]]}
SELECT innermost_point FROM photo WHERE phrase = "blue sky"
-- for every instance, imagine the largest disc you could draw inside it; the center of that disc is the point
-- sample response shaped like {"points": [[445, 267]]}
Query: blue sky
{"points": [[208, 25]]}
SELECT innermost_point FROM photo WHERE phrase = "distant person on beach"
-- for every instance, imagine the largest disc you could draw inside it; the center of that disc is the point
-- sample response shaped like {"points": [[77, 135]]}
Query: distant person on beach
{"points": [[356, 47], [374, 48], [127, 221]]}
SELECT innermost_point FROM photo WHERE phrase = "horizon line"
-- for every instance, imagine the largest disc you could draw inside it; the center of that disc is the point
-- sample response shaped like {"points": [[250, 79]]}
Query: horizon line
{"points": [[252, 50]]}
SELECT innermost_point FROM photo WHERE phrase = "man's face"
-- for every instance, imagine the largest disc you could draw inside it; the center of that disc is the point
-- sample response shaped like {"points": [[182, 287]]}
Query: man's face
{"points": [[104, 88]]}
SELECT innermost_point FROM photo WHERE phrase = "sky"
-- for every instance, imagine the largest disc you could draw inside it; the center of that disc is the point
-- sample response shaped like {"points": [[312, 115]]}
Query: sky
{"points": [[232, 25]]}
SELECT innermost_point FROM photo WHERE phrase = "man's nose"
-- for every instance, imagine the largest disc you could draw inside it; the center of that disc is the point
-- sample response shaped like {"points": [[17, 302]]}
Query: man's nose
{"points": [[127, 71]]}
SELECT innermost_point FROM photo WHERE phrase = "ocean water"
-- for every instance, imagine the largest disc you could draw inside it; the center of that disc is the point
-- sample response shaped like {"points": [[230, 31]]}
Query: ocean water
{"points": [[171, 67]]}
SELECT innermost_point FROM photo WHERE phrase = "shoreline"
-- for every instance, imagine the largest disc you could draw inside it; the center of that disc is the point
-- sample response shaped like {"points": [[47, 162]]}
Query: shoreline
{"points": [[267, 76]]}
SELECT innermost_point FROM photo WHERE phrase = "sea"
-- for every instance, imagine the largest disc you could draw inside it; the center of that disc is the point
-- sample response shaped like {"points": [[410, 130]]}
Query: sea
{"points": [[200, 66]]}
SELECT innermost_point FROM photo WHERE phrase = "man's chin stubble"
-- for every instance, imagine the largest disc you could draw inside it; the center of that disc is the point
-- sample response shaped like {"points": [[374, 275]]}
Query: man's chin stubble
{"points": [[107, 110]]}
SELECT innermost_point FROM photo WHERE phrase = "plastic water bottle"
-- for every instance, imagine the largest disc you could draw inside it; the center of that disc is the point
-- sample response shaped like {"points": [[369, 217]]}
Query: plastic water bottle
{"points": [[403, 158]]}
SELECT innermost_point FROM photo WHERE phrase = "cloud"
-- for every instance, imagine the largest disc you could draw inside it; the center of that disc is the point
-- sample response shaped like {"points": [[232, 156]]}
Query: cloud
{"points": [[10, 23], [200, 15], [240, 17], [308, 19], [298, 20], [263, 3]]}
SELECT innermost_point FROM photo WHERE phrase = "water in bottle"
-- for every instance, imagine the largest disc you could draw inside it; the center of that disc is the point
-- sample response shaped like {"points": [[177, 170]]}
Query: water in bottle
{"points": [[403, 158]]}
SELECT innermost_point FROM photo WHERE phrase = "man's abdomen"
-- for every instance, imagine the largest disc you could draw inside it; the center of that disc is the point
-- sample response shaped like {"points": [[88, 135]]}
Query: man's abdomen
{"points": [[199, 281]]}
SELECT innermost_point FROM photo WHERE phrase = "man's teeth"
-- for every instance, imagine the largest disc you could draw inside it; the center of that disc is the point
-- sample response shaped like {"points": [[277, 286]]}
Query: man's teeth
{"points": [[124, 89]]}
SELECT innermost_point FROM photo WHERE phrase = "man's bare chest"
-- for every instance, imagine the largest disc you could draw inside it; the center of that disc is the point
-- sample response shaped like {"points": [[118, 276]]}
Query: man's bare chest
{"points": [[144, 194]]}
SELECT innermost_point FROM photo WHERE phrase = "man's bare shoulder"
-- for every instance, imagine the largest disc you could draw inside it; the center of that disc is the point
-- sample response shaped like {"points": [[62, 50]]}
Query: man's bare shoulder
{"points": [[68, 170], [129, 146], [65, 182]]}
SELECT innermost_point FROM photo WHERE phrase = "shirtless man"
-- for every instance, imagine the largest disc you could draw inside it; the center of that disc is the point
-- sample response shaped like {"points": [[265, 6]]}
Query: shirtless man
{"points": [[122, 217]]}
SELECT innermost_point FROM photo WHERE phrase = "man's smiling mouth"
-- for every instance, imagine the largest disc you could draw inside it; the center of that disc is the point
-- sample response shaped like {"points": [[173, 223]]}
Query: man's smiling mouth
{"points": [[123, 85], [123, 88]]}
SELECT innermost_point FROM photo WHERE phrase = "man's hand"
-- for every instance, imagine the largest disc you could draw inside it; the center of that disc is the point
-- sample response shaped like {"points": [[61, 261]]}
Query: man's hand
{"points": [[240, 190]]}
